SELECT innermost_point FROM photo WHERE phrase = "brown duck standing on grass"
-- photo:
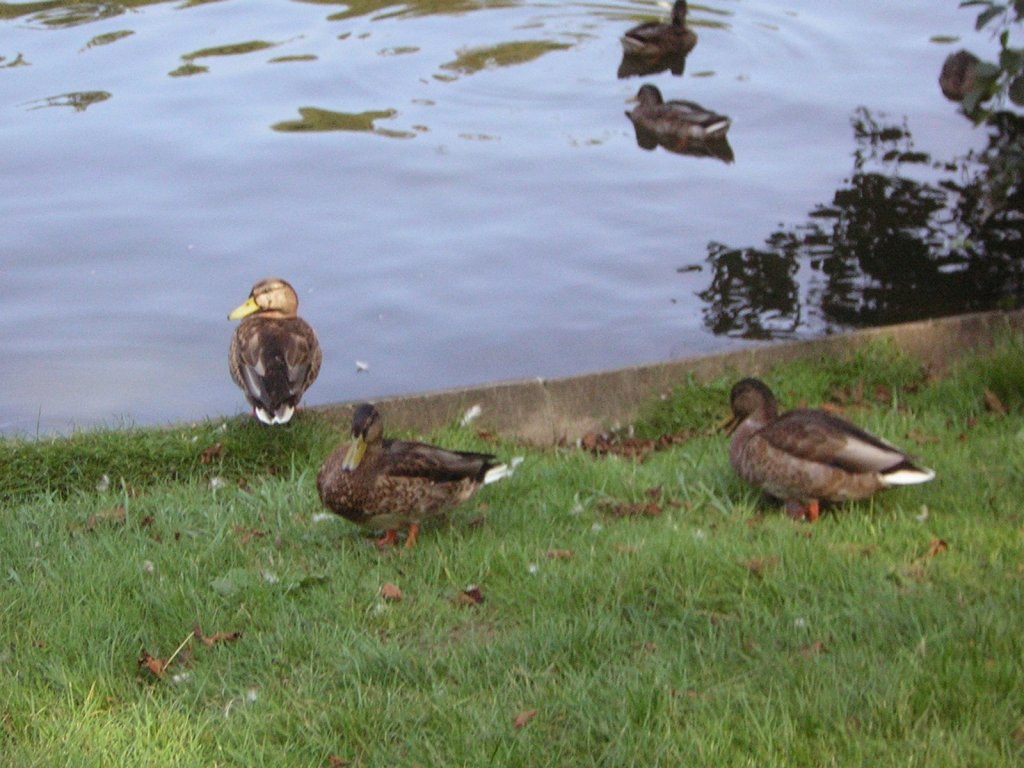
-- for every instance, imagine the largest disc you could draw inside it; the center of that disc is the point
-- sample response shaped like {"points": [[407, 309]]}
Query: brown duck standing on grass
{"points": [[656, 39], [274, 354], [384, 484], [806, 456]]}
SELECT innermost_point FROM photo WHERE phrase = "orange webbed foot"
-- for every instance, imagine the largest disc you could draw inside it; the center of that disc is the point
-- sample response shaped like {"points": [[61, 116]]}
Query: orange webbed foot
{"points": [[799, 511], [812, 512], [387, 540], [414, 530]]}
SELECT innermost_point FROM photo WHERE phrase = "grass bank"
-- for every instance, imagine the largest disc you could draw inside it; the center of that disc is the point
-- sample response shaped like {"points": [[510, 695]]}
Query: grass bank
{"points": [[174, 597]]}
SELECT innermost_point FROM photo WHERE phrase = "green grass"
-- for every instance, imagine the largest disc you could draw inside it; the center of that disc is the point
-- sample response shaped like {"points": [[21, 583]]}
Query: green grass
{"points": [[718, 632]]}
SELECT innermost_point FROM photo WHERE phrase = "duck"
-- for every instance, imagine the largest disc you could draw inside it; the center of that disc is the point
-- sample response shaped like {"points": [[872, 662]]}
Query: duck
{"points": [[684, 120], [655, 39], [383, 484], [806, 456], [274, 355]]}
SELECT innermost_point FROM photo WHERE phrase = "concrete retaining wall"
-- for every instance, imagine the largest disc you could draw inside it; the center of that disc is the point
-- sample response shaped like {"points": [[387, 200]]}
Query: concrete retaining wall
{"points": [[545, 411]]}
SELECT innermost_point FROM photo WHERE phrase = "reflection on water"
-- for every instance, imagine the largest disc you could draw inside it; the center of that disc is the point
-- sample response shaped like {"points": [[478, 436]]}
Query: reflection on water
{"points": [[314, 119], [507, 54], [753, 293], [108, 38], [79, 101], [641, 66], [18, 61], [58, 14], [888, 249], [235, 49]]}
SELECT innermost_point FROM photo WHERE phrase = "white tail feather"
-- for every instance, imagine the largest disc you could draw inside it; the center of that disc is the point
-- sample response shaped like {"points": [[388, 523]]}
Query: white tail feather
{"points": [[908, 476], [501, 471], [282, 417]]}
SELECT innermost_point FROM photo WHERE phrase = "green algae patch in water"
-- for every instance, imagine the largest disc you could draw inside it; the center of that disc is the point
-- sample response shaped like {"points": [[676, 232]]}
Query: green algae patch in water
{"points": [[474, 60], [315, 119]]}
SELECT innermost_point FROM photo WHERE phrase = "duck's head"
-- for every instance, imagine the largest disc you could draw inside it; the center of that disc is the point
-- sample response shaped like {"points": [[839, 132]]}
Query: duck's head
{"points": [[648, 95], [679, 13], [367, 429], [272, 297], [751, 397]]}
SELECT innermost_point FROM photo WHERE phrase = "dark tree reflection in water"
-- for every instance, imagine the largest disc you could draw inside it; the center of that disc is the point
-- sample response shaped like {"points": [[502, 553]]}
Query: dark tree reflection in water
{"points": [[753, 292], [905, 238]]}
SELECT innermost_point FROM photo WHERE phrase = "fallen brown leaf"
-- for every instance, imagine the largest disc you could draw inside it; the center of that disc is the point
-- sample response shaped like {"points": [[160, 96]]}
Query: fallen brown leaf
{"points": [[471, 595], [813, 649], [631, 509], [1018, 733], [390, 592], [215, 451], [993, 403], [758, 565], [719, 619], [559, 554], [333, 761], [915, 572], [839, 395], [524, 717], [937, 547], [155, 666], [604, 443], [115, 516], [920, 437], [214, 639], [249, 535]]}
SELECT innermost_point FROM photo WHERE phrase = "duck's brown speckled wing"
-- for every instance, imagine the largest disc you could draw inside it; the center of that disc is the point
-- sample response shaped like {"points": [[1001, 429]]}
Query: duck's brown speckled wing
{"points": [[433, 464], [274, 360], [822, 438]]}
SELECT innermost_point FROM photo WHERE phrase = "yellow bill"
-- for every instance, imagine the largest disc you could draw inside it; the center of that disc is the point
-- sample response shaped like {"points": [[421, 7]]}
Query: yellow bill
{"points": [[728, 424], [354, 454], [245, 310]]}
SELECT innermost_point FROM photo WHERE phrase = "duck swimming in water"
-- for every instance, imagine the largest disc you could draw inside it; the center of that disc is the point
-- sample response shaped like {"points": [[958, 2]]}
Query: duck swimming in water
{"points": [[656, 39]]}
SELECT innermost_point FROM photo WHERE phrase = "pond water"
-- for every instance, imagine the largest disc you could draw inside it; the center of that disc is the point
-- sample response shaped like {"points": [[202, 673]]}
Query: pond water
{"points": [[454, 190]]}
